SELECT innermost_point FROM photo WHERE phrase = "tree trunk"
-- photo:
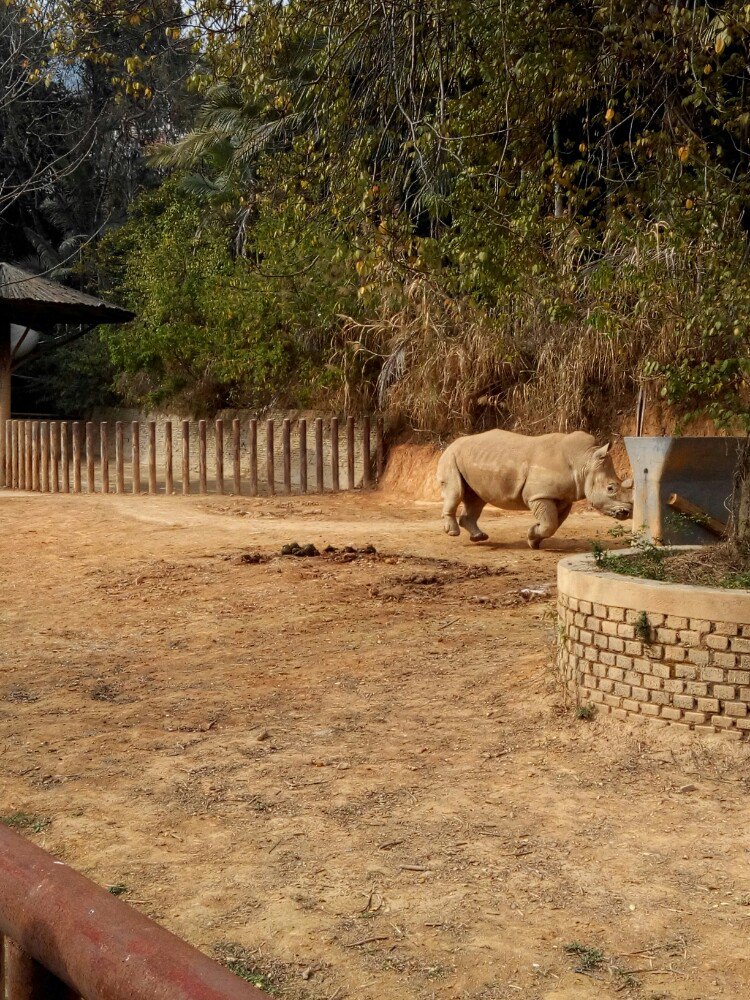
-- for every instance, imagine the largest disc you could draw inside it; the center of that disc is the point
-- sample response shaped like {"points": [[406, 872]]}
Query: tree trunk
{"points": [[741, 521]]}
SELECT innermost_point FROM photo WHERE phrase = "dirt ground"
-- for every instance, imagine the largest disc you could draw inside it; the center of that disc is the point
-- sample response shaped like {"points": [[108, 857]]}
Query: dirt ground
{"points": [[356, 773]]}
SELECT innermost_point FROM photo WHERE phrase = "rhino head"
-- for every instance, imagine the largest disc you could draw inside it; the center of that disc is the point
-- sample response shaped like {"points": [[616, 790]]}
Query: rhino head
{"points": [[603, 489]]}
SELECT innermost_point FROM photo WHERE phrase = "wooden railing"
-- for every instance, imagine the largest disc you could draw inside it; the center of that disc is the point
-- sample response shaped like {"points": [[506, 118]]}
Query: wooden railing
{"points": [[62, 937], [267, 457]]}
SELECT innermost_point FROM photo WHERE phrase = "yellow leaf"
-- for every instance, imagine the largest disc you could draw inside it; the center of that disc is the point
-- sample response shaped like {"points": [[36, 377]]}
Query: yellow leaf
{"points": [[719, 45], [610, 114], [683, 153]]}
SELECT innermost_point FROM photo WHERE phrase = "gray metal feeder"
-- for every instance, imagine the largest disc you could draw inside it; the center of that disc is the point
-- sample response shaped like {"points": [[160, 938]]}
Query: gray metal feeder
{"points": [[682, 487]]}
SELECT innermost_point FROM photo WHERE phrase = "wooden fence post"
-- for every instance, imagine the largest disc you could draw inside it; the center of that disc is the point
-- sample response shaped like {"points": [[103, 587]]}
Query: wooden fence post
{"points": [[319, 479], [237, 456], [29, 456], [135, 452], [20, 460], [367, 472], [90, 466], [120, 456], [35, 456], [335, 454], [202, 476], [380, 447], [9, 454], [65, 455], [253, 457], [186, 458], [219, 449], [45, 457], [270, 471], [302, 455], [350, 453], [76, 457], [152, 485], [104, 454], [168, 460], [55, 456], [286, 445], [14, 446]]}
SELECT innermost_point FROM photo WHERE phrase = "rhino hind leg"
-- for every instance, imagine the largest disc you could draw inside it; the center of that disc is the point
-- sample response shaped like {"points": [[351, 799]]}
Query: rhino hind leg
{"points": [[452, 488], [547, 521], [473, 507]]}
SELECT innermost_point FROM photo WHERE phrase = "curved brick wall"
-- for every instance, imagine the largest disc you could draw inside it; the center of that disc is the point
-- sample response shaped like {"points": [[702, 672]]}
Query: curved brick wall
{"points": [[695, 668]]}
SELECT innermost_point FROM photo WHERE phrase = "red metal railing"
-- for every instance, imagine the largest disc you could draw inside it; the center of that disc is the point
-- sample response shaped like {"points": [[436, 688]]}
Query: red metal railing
{"points": [[66, 938]]}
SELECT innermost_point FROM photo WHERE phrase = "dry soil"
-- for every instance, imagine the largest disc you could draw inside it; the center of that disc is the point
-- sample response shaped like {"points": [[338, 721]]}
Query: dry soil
{"points": [[356, 773]]}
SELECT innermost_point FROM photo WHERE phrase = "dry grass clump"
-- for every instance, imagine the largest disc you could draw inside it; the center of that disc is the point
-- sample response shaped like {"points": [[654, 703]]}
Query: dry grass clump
{"points": [[711, 566], [448, 365]]}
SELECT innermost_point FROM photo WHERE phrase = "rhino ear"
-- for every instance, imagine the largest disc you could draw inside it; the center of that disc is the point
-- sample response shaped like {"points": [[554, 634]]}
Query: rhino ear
{"points": [[627, 484], [601, 453]]}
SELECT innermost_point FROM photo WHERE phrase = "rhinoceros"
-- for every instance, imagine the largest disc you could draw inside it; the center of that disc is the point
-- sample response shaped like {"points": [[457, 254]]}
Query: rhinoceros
{"points": [[544, 474]]}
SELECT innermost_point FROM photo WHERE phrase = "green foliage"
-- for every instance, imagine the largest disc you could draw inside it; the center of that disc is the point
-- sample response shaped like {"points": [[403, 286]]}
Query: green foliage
{"points": [[585, 713], [26, 821], [213, 330], [589, 958], [646, 560]]}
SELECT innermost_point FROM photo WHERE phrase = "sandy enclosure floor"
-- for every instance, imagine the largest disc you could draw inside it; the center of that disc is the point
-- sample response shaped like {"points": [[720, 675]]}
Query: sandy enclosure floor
{"points": [[359, 775]]}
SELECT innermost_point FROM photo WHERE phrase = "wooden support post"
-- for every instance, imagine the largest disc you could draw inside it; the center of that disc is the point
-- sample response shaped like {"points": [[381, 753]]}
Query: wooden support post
{"points": [[350, 453], [253, 449], [319, 479], [270, 471], [45, 457], [104, 454], [168, 460], [152, 484], [135, 457], [380, 447], [76, 457], [5, 390], [286, 446], [202, 474], [366, 470], [335, 454], [302, 455], [186, 458], [237, 456], [219, 448], [90, 460], [36, 442], [120, 456], [65, 455], [55, 455]]}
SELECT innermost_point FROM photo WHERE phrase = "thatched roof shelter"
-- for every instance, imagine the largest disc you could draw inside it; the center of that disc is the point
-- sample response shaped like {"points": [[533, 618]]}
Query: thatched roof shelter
{"points": [[29, 300], [38, 305]]}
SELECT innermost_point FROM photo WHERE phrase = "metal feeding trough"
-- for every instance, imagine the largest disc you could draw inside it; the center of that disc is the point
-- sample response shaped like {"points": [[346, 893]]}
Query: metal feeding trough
{"points": [[682, 487]]}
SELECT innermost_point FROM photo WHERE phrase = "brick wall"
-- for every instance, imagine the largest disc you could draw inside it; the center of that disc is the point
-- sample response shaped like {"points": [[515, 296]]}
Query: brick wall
{"points": [[691, 671]]}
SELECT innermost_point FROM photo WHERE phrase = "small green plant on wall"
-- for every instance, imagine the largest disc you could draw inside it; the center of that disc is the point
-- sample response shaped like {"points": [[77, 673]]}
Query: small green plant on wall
{"points": [[643, 628]]}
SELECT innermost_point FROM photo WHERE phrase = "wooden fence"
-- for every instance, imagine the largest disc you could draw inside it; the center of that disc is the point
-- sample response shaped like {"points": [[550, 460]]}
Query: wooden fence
{"points": [[76, 457]]}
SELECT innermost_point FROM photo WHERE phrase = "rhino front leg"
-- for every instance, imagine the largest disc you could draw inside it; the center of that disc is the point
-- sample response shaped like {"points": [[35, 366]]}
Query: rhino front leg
{"points": [[473, 507], [548, 521]]}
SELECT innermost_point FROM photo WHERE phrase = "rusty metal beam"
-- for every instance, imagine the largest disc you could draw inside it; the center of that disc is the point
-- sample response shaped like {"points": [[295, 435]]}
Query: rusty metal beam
{"points": [[96, 944]]}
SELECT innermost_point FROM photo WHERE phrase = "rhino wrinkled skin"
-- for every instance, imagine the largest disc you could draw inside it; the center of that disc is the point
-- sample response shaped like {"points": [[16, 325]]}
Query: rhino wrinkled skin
{"points": [[545, 475]]}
